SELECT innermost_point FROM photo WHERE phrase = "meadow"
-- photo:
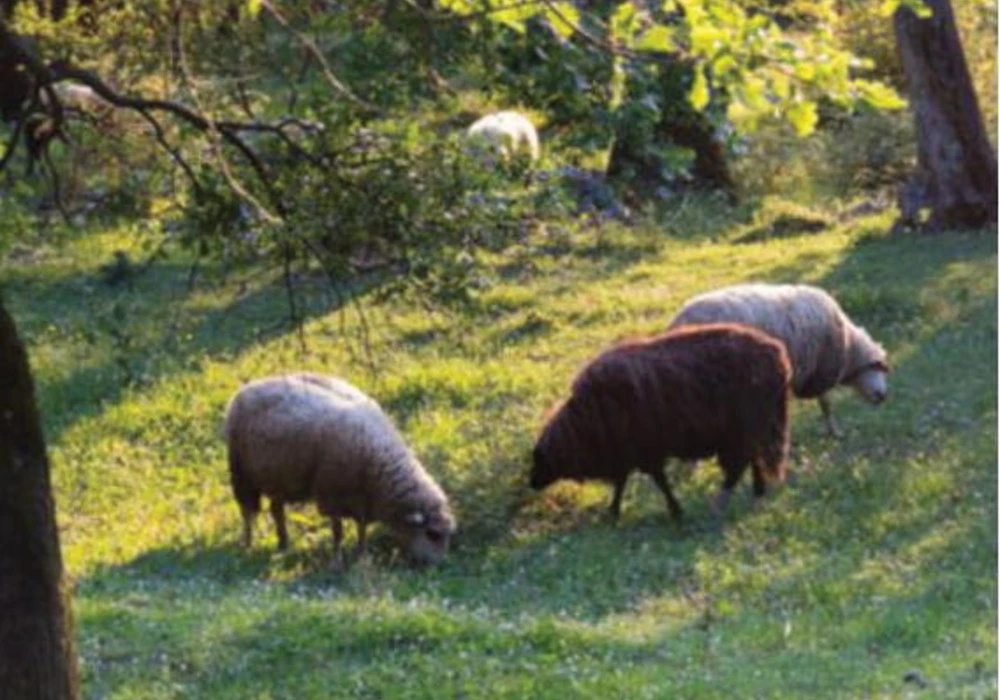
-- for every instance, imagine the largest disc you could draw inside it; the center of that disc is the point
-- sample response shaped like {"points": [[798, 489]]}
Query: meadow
{"points": [[872, 573]]}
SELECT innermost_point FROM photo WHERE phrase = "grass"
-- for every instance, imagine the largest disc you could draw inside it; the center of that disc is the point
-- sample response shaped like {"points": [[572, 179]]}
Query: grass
{"points": [[876, 562]]}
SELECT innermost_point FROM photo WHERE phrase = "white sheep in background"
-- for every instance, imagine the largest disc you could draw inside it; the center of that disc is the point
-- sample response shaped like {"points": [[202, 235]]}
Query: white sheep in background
{"points": [[82, 98], [507, 134], [306, 437], [825, 347]]}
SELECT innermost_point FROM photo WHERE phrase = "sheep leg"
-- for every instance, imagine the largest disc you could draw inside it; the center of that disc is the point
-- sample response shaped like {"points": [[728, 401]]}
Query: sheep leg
{"points": [[660, 479], [733, 471], [249, 515], [278, 515], [616, 500], [759, 484], [831, 427], [247, 495], [362, 538], [337, 526]]}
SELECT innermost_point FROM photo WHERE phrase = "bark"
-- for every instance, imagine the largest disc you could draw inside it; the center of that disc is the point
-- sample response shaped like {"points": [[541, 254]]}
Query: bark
{"points": [[37, 658], [956, 167]]}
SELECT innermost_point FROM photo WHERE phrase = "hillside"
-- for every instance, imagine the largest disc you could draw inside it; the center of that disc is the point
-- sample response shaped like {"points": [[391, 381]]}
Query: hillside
{"points": [[876, 562]]}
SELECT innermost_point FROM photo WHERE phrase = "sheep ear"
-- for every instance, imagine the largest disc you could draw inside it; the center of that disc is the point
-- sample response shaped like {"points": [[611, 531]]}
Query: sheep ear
{"points": [[415, 518]]}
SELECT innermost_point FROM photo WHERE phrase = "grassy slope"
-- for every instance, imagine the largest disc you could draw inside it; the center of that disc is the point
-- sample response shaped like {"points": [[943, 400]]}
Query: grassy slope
{"points": [[879, 558]]}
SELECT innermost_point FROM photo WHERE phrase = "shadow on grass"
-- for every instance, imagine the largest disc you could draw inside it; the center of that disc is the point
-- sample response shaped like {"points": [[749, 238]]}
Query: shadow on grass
{"points": [[538, 586], [150, 330]]}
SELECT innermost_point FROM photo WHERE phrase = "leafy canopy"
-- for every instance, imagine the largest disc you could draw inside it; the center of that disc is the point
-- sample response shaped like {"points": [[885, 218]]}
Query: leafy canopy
{"points": [[756, 60]]}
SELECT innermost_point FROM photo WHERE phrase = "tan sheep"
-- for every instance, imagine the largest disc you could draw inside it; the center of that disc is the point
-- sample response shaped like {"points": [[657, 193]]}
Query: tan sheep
{"points": [[826, 348], [307, 437]]}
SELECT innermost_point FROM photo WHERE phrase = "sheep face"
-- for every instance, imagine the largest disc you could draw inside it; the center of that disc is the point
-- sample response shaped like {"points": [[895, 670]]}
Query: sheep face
{"points": [[425, 537], [542, 472], [872, 384]]}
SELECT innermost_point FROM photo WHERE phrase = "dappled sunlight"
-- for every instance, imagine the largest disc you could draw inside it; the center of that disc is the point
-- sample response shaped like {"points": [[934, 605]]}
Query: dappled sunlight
{"points": [[826, 570]]}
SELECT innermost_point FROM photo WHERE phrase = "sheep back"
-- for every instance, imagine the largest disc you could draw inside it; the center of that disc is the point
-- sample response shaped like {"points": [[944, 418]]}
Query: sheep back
{"points": [[806, 319], [308, 437], [508, 131], [717, 389]]}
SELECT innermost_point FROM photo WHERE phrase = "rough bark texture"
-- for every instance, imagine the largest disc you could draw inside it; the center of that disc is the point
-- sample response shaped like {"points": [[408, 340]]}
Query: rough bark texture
{"points": [[957, 168], [37, 659]]}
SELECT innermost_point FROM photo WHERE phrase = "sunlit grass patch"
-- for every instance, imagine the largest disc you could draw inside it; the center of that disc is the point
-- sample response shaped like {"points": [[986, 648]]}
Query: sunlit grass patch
{"points": [[878, 558]]}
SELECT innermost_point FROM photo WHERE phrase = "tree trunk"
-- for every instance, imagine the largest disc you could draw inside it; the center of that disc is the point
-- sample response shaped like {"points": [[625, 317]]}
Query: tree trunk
{"points": [[957, 169], [37, 658], [643, 172]]}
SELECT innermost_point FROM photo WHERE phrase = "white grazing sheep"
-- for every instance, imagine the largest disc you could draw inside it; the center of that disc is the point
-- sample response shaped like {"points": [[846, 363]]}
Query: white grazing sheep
{"points": [[307, 437], [506, 134], [825, 347]]}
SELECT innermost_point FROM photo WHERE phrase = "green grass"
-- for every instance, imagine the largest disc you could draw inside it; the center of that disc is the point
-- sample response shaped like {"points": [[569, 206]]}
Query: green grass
{"points": [[879, 557]]}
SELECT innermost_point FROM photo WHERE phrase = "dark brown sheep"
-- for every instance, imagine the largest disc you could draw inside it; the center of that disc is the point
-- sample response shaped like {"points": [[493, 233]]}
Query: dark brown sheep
{"points": [[695, 392]]}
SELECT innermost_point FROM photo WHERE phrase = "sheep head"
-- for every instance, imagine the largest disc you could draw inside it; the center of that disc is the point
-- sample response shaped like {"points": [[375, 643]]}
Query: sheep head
{"points": [[872, 383], [424, 535], [542, 471]]}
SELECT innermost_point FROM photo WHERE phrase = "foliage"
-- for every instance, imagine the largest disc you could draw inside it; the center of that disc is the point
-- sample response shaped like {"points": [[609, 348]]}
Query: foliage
{"points": [[758, 69], [977, 25], [852, 155]]}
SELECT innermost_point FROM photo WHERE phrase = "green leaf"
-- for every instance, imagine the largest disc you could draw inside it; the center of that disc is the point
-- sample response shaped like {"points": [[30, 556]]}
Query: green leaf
{"points": [[253, 7], [699, 95], [514, 16], [623, 14], [805, 71], [920, 8], [753, 92], [780, 85], [723, 65], [879, 95], [705, 36], [658, 38], [563, 17], [803, 116], [742, 117], [624, 21]]}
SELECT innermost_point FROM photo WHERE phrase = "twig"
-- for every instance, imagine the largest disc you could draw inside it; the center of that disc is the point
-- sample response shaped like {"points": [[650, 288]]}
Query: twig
{"points": [[309, 45], [293, 97], [293, 310], [214, 130]]}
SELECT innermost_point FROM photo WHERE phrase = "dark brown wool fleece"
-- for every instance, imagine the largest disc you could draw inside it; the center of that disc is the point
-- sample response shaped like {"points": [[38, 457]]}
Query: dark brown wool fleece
{"points": [[692, 393]]}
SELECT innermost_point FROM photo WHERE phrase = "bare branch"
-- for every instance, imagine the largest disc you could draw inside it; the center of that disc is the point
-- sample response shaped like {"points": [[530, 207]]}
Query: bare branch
{"points": [[215, 131], [309, 45], [294, 95], [175, 153]]}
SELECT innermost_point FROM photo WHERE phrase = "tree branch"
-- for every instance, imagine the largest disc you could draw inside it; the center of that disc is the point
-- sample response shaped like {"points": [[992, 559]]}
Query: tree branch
{"points": [[310, 46]]}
